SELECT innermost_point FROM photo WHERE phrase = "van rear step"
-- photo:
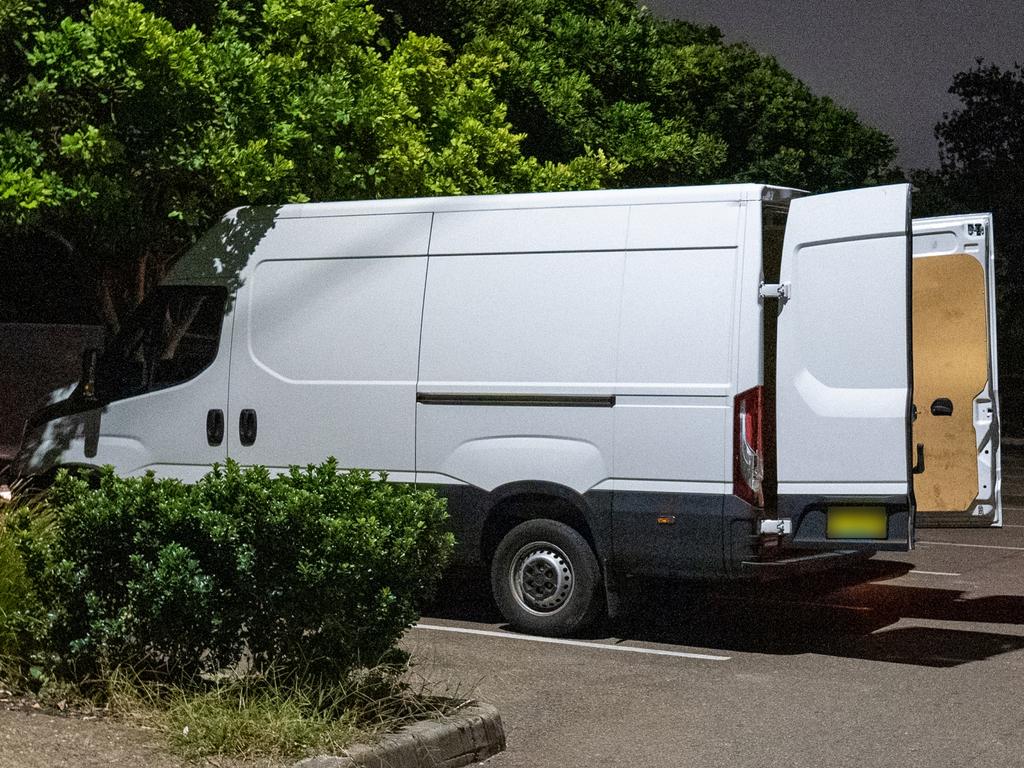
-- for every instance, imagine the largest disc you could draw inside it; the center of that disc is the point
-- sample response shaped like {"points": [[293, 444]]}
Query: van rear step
{"points": [[802, 563]]}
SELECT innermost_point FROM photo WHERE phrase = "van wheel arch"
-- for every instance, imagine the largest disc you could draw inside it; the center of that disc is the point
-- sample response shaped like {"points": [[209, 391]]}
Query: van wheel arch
{"points": [[515, 503]]}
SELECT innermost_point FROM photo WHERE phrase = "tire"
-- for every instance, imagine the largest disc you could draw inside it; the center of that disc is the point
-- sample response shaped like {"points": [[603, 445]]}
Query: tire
{"points": [[546, 580]]}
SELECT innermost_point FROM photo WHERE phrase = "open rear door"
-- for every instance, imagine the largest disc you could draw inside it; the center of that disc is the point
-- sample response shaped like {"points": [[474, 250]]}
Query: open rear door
{"points": [[955, 372], [844, 371]]}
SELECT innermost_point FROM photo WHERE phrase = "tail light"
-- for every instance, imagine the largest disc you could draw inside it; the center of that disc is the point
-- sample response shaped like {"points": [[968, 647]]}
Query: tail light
{"points": [[748, 446]]}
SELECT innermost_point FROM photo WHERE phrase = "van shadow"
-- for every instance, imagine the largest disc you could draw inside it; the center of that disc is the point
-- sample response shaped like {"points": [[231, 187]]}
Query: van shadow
{"points": [[847, 617]]}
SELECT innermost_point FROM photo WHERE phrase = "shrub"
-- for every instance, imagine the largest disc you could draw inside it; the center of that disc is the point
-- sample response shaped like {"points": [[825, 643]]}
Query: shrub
{"points": [[137, 574], [340, 562], [22, 620], [312, 571]]}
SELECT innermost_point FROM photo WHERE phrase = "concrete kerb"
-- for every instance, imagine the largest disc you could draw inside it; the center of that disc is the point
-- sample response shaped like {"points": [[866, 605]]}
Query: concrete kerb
{"points": [[473, 734]]}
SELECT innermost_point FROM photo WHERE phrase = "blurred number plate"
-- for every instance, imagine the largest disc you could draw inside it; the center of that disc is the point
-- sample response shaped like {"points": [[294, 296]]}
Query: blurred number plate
{"points": [[857, 523]]}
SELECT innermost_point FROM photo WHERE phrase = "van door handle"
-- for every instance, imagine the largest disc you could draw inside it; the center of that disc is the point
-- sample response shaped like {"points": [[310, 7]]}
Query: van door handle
{"points": [[215, 426], [247, 427], [942, 406], [918, 468]]}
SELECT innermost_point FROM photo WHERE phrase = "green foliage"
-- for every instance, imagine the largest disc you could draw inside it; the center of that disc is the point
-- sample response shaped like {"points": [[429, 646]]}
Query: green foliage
{"points": [[127, 128], [312, 571], [340, 563], [128, 134], [22, 619], [241, 719], [981, 146], [138, 574], [669, 100]]}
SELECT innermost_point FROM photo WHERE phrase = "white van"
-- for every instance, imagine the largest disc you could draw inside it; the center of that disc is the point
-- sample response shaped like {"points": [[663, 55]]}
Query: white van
{"points": [[705, 382]]}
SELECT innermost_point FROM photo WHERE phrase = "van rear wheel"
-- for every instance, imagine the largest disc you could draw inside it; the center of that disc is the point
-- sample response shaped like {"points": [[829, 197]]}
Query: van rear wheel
{"points": [[546, 580]]}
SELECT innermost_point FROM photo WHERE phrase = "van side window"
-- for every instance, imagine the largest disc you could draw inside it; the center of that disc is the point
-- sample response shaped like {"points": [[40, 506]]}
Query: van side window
{"points": [[171, 338]]}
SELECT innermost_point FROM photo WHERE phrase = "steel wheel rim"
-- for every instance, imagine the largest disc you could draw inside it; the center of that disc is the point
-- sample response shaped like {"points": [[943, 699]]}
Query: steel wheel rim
{"points": [[541, 578]]}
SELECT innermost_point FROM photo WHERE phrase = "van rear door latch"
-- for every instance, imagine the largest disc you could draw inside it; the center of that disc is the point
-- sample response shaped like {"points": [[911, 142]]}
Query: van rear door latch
{"points": [[780, 291]]}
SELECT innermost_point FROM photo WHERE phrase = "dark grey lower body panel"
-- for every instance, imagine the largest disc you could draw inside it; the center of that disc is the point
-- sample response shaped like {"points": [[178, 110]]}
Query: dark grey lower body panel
{"points": [[468, 507], [688, 543], [681, 535], [624, 527]]}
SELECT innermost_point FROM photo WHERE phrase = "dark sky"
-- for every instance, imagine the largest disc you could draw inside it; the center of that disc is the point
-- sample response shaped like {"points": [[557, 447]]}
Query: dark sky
{"points": [[892, 62]]}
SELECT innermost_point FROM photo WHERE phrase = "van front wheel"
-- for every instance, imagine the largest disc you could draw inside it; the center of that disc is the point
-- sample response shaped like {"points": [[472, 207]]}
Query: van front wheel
{"points": [[546, 579]]}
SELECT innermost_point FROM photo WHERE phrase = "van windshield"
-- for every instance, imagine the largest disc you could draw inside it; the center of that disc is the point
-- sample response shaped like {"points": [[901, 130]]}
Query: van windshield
{"points": [[170, 338]]}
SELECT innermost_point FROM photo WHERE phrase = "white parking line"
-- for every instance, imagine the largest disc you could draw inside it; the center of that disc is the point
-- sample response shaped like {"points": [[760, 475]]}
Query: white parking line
{"points": [[577, 643], [932, 573], [974, 546]]}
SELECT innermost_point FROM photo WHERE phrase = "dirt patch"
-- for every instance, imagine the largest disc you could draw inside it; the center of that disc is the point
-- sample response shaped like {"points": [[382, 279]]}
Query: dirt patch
{"points": [[35, 738]]}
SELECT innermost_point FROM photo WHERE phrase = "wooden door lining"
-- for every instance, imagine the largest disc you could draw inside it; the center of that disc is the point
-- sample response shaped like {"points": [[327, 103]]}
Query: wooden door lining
{"points": [[950, 328]]}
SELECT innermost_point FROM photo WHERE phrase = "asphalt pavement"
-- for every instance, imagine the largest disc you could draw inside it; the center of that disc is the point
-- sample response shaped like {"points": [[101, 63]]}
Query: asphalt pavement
{"points": [[915, 659]]}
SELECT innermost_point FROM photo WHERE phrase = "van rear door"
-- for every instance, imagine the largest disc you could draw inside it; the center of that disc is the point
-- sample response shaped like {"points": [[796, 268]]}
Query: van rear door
{"points": [[955, 372], [843, 407]]}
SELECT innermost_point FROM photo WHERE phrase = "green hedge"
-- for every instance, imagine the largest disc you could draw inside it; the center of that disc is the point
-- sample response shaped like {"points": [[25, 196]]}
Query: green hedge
{"points": [[310, 572], [22, 619]]}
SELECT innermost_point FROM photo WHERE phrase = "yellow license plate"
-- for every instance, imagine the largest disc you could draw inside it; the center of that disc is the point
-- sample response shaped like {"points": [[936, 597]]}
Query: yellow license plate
{"points": [[857, 523]]}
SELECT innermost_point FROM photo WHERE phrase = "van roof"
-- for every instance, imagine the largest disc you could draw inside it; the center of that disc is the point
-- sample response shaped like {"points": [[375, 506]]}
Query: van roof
{"points": [[650, 196]]}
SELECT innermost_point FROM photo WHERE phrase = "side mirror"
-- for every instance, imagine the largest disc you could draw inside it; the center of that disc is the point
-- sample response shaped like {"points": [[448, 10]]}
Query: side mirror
{"points": [[88, 380]]}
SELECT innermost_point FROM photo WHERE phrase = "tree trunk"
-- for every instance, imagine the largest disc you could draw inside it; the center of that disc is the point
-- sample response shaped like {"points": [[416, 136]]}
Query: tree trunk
{"points": [[107, 308], [141, 267]]}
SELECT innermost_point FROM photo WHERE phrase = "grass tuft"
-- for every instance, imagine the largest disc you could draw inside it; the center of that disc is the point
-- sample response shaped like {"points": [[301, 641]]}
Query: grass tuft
{"points": [[262, 716], [242, 722]]}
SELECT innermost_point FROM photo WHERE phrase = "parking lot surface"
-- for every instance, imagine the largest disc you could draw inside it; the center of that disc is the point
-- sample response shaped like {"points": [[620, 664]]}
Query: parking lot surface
{"points": [[915, 659]]}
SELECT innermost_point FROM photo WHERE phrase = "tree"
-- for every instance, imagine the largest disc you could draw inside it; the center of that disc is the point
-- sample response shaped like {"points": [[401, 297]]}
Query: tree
{"points": [[981, 149], [128, 127], [668, 99], [123, 135]]}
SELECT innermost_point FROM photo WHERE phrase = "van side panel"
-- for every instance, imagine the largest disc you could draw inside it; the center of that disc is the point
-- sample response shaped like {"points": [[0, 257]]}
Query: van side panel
{"points": [[517, 362], [498, 328], [678, 321], [608, 372], [324, 320], [326, 343], [676, 444], [677, 346], [675, 379], [530, 230]]}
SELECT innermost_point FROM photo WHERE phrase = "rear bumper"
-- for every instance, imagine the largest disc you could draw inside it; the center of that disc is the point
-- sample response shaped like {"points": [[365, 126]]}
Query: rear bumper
{"points": [[810, 522], [802, 563]]}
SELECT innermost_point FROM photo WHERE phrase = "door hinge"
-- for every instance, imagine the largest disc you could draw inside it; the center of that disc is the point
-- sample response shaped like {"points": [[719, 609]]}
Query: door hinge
{"points": [[780, 291]]}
